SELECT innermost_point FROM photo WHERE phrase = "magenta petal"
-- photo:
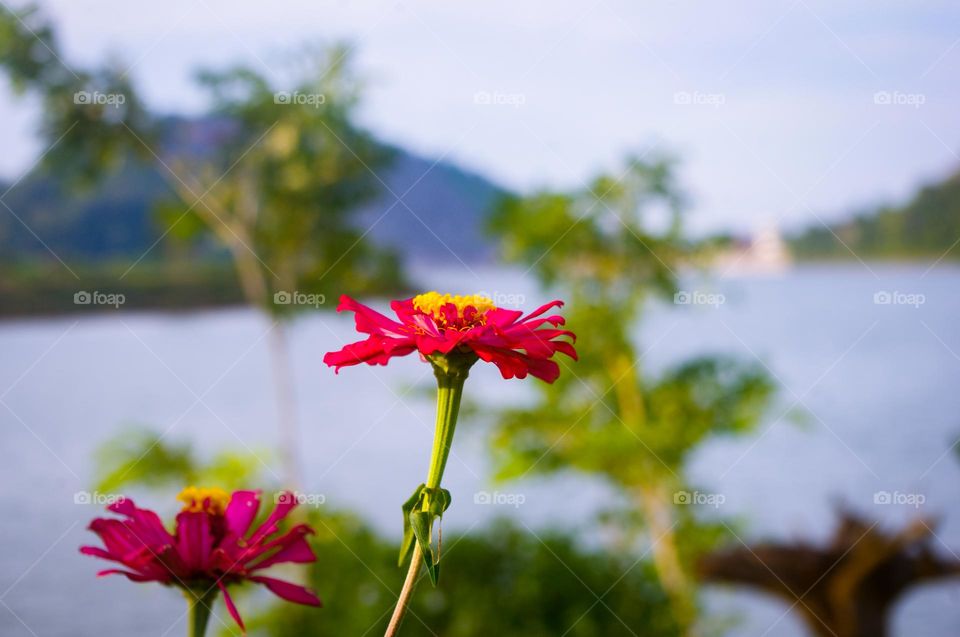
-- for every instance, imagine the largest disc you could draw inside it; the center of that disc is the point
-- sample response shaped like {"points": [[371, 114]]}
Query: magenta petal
{"points": [[96, 551], [293, 548], [285, 503], [241, 511], [194, 539], [149, 527], [136, 577], [231, 608], [288, 591]]}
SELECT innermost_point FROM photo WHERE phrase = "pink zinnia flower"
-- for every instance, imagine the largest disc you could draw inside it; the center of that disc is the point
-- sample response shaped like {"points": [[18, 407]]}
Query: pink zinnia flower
{"points": [[434, 324], [212, 546]]}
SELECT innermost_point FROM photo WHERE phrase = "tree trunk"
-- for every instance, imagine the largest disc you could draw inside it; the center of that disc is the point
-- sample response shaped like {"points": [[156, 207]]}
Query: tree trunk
{"points": [[287, 425], [656, 503]]}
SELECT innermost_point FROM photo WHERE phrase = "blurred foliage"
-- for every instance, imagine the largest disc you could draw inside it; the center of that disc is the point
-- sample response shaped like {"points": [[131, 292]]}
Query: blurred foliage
{"points": [[674, 414], [609, 248], [926, 226], [504, 580], [284, 186], [91, 135], [277, 175], [140, 457], [596, 241]]}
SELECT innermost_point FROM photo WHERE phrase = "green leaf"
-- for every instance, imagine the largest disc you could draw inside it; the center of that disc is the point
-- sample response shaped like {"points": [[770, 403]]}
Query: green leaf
{"points": [[407, 544], [419, 513], [422, 523]]}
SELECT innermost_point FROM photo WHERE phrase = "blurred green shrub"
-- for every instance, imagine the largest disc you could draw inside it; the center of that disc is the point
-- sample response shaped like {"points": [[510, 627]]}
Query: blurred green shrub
{"points": [[503, 580]]}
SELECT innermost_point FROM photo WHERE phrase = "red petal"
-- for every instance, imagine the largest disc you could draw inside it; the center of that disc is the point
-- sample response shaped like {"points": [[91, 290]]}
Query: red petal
{"points": [[543, 308], [502, 317], [369, 321], [376, 350], [516, 365]]}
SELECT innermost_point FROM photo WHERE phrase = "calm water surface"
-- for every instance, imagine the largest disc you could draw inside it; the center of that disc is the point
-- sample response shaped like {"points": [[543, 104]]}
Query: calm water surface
{"points": [[870, 393]]}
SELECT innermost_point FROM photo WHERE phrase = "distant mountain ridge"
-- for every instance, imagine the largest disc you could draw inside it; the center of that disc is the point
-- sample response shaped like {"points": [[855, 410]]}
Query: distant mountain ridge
{"points": [[440, 218]]}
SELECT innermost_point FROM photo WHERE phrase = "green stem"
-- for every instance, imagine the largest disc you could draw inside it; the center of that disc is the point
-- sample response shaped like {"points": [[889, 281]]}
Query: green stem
{"points": [[201, 605], [449, 391]]}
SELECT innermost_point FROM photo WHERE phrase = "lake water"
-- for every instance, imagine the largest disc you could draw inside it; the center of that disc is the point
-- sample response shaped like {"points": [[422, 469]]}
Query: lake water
{"points": [[875, 384]]}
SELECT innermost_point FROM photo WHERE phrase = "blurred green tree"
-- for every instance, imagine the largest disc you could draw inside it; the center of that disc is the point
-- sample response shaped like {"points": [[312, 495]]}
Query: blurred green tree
{"points": [[82, 112], [610, 247], [281, 193], [280, 187]]}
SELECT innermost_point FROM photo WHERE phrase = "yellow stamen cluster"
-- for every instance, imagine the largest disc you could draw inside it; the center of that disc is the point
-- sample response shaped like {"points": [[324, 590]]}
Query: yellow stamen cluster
{"points": [[203, 499], [432, 302]]}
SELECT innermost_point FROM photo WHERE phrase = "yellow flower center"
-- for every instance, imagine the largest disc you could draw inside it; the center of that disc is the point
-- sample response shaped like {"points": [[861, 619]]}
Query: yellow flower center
{"points": [[203, 499], [432, 303]]}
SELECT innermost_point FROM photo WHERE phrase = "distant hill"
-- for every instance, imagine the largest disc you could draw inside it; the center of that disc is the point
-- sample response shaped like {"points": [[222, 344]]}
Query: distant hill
{"points": [[441, 219], [928, 226], [442, 215]]}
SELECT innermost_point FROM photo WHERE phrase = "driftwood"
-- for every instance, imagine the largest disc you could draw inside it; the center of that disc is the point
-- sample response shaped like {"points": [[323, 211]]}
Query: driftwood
{"points": [[843, 589]]}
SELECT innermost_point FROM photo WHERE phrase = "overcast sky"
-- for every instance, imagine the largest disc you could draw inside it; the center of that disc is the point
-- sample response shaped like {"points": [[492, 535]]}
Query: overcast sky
{"points": [[783, 122]]}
